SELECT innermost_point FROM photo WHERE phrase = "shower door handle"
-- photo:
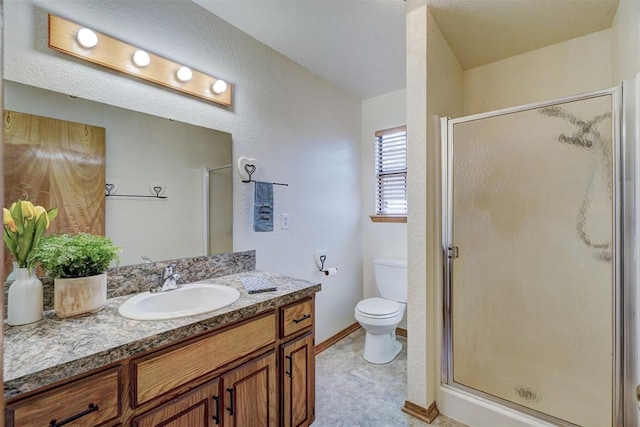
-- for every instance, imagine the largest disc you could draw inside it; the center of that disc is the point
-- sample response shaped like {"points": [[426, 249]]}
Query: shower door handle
{"points": [[452, 252]]}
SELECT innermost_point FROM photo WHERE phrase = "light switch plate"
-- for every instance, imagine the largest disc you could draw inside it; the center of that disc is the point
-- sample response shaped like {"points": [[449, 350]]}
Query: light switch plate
{"points": [[285, 221]]}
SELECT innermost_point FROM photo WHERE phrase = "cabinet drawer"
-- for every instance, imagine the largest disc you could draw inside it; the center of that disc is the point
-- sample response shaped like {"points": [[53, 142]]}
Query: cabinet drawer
{"points": [[75, 400], [158, 374], [296, 317]]}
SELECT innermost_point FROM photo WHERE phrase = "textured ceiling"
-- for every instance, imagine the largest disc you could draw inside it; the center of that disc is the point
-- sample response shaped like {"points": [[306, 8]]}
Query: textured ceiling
{"points": [[359, 45]]}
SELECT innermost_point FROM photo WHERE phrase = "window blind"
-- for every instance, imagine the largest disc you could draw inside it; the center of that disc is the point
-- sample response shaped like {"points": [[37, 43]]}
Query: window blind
{"points": [[391, 171]]}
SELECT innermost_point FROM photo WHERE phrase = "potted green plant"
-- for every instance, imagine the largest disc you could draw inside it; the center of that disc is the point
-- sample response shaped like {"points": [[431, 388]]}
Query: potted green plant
{"points": [[78, 262]]}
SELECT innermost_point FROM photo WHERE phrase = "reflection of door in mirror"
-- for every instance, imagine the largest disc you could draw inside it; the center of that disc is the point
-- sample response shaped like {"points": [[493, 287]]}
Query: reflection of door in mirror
{"points": [[56, 163], [143, 151], [218, 215]]}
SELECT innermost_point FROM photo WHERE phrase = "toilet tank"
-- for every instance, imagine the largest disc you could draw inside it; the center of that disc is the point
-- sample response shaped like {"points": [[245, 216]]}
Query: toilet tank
{"points": [[391, 278]]}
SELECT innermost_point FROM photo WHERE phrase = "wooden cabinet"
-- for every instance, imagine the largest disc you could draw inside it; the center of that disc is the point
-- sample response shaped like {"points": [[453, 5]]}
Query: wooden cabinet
{"points": [[298, 381], [159, 373], [245, 396], [250, 395], [297, 372], [257, 372], [197, 408], [89, 401], [296, 317]]}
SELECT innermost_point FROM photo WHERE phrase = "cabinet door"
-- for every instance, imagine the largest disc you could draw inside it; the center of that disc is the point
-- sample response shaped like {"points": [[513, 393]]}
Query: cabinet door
{"points": [[197, 408], [250, 394], [298, 381]]}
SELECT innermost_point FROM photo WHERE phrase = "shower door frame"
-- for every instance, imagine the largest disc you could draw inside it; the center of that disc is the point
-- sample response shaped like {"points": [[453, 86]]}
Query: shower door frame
{"points": [[623, 247]]}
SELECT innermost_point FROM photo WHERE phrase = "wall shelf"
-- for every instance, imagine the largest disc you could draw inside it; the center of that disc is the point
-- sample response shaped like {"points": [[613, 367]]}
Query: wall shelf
{"points": [[109, 188]]}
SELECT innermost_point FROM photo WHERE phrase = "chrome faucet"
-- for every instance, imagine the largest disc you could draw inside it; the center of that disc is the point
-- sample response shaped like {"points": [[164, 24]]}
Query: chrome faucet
{"points": [[169, 278]]}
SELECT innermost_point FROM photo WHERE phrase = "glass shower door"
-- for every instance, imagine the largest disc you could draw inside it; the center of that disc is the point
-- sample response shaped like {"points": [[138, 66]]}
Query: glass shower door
{"points": [[531, 296]]}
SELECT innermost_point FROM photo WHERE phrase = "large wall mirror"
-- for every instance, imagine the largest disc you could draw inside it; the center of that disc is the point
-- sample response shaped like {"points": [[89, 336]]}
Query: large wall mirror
{"points": [[192, 164]]}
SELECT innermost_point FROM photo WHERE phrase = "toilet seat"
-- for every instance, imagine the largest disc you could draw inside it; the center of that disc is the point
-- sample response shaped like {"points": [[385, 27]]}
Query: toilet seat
{"points": [[378, 308]]}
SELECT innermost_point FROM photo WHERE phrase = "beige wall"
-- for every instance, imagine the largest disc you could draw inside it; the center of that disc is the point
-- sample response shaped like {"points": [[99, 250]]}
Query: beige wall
{"points": [[541, 75], [379, 239], [417, 203], [434, 79], [626, 41]]}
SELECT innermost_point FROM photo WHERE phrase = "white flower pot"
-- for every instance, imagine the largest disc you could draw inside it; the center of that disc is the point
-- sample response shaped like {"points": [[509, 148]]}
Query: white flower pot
{"points": [[82, 295], [24, 299]]}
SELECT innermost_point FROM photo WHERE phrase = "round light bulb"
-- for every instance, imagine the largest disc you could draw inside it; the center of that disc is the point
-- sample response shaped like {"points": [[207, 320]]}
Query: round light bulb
{"points": [[141, 58], [219, 86], [87, 38], [184, 74]]}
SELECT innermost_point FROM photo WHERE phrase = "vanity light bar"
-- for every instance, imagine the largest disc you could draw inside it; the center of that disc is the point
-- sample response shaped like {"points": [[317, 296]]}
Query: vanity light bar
{"points": [[71, 38]]}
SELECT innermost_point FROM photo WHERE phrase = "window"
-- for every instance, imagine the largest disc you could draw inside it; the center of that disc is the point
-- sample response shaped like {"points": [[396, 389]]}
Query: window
{"points": [[391, 175]]}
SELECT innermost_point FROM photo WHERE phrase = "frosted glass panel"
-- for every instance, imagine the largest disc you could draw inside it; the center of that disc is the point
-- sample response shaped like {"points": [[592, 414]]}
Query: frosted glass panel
{"points": [[220, 214], [532, 295]]}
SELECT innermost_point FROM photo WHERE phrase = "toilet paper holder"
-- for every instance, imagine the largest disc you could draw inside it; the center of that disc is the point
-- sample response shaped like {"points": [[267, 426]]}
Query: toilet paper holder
{"points": [[322, 259], [328, 271]]}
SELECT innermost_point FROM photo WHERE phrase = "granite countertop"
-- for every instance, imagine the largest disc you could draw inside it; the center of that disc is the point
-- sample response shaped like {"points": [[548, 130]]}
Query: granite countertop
{"points": [[54, 349]]}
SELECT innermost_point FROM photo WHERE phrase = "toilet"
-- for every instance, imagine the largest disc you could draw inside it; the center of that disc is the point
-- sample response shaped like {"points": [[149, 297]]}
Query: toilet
{"points": [[380, 316]]}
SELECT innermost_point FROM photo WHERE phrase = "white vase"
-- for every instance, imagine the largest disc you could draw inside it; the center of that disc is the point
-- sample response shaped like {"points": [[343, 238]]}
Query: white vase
{"points": [[12, 276], [24, 300], [82, 295]]}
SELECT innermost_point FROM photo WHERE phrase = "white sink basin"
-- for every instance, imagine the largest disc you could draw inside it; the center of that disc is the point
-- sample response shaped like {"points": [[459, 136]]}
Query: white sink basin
{"points": [[186, 301]]}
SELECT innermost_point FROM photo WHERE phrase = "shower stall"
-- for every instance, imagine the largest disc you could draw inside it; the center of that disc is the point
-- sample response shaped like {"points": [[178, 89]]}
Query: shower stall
{"points": [[539, 235], [217, 194]]}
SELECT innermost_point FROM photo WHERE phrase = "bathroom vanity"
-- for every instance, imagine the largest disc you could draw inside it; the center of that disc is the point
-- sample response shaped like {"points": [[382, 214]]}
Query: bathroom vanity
{"points": [[249, 364]]}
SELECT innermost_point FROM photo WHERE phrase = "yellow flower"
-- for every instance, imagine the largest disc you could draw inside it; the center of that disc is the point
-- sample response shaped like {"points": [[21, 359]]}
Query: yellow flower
{"points": [[27, 210], [7, 220], [39, 210], [24, 225], [6, 216]]}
